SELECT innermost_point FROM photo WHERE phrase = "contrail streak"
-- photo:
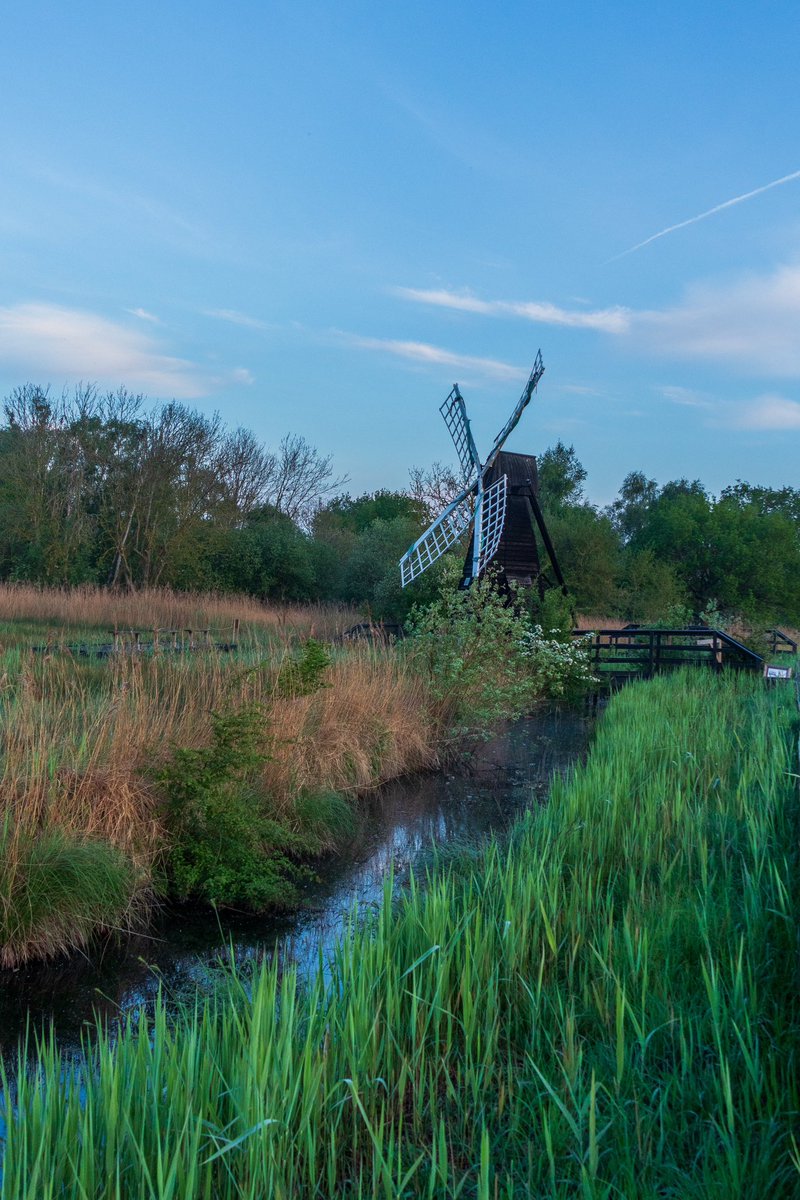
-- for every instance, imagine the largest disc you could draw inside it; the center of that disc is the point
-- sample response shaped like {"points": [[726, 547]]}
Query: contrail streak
{"points": [[709, 213]]}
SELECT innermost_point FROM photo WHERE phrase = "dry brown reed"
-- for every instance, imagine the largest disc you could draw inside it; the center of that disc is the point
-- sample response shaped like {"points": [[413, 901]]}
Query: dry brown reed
{"points": [[592, 621], [374, 722], [756, 636], [163, 608]]}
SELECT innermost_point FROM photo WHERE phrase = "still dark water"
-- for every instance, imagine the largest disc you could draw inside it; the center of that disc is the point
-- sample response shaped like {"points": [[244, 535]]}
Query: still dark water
{"points": [[398, 827]]}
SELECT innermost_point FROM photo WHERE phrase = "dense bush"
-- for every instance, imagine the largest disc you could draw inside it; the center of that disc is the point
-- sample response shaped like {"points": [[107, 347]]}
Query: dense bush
{"points": [[229, 842], [487, 661], [224, 849]]}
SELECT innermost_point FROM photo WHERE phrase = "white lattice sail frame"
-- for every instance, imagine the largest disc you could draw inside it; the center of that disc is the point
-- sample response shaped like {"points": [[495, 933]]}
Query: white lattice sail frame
{"points": [[438, 538], [493, 515], [523, 402], [454, 413]]}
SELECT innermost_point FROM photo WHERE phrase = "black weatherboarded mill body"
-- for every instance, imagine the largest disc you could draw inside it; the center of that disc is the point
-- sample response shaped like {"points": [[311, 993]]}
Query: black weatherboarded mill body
{"points": [[517, 559]]}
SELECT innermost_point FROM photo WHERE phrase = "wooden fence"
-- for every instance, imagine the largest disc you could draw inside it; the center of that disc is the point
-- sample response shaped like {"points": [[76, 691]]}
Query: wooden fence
{"points": [[148, 641], [621, 654]]}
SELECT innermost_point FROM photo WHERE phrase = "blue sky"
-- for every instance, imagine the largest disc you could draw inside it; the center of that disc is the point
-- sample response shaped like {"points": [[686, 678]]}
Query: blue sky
{"points": [[315, 218]]}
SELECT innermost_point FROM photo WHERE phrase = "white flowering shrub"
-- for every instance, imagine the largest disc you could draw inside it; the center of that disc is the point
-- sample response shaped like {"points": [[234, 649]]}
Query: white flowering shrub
{"points": [[557, 668], [485, 661]]}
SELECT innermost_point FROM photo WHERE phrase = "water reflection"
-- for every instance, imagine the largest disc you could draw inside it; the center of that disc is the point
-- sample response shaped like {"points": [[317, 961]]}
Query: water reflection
{"points": [[398, 827]]}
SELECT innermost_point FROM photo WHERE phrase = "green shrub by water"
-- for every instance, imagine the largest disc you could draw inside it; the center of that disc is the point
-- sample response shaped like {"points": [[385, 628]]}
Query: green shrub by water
{"points": [[608, 1007], [485, 658], [225, 848], [56, 889]]}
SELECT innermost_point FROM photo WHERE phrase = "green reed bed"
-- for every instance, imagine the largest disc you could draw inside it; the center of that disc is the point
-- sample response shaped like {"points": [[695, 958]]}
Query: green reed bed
{"points": [[606, 1007]]}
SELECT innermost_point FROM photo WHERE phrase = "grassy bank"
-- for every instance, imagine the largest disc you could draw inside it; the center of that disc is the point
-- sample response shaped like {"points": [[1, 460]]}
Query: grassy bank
{"points": [[608, 1007], [214, 776], [85, 830]]}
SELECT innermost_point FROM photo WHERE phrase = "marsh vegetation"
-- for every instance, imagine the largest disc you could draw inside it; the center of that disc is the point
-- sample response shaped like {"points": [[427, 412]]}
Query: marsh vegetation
{"points": [[607, 1005], [219, 776]]}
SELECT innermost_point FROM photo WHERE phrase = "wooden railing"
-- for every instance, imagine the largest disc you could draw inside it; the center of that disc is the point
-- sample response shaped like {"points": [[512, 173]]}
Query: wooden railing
{"points": [[620, 654], [780, 642]]}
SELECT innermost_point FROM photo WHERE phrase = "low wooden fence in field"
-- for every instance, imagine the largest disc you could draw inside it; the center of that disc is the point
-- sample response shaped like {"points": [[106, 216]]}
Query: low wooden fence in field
{"points": [[147, 641]]}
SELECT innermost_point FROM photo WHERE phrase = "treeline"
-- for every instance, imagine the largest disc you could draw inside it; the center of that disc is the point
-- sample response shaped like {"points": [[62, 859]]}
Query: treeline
{"points": [[100, 488], [675, 550]]}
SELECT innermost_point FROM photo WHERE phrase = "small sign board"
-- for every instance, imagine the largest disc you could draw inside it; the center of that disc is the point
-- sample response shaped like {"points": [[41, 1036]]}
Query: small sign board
{"points": [[771, 672]]}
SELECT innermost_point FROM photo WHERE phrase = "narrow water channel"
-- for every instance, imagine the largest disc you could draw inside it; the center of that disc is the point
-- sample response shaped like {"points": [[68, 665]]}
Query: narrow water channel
{"points": [[398, 827]]}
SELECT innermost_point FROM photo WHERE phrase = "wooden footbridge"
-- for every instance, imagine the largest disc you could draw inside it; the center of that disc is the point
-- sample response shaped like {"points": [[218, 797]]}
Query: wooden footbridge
{"points": [[639, 652]]}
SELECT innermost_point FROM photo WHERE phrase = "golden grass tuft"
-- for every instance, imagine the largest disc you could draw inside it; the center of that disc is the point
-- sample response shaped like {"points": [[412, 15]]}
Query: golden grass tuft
{"points": [[591, 621], [375, 721]]}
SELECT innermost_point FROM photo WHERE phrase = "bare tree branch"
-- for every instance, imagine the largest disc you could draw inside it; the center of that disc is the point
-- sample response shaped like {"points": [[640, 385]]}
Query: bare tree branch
{"points": [[302, 478], [435, 487]]}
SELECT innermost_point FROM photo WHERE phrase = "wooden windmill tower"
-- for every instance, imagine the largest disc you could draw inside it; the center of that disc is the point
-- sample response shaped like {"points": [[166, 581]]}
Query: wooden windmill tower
{"points": [[498, 504]]}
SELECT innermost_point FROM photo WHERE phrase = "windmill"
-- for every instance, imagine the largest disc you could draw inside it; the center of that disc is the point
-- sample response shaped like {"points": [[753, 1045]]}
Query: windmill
{"points": [[498, 500]]}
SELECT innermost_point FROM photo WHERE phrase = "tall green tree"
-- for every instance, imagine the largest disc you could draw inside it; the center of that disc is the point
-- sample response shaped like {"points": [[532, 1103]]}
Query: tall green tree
{"points": [[561, 477]]}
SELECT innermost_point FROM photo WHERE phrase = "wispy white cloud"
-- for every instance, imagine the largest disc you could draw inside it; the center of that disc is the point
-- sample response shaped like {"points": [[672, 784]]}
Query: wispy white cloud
{"points": [[242, 375], [425, 353], [235, 318], [122, 205], [607, 320], [688, 397], [577, 389], [144, 315], [470, 140], [769, 412], [750, 323], [52, 343], [709, 212]]}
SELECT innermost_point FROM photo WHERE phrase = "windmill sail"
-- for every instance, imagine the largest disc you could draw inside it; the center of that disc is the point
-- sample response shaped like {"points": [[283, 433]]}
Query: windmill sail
{"points": [[455, 417], [493, 515], [487, 529], [530, 387], [439, 537]]}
